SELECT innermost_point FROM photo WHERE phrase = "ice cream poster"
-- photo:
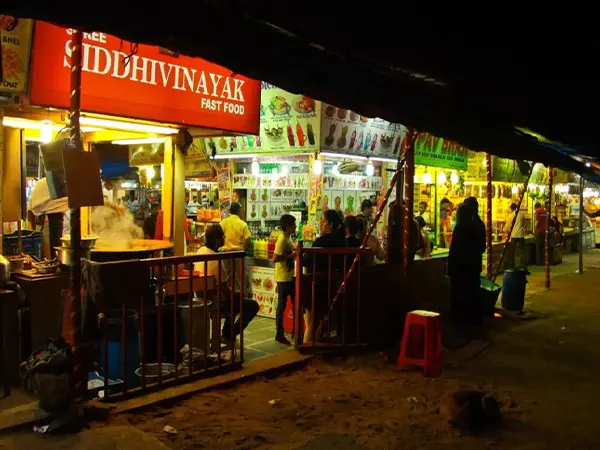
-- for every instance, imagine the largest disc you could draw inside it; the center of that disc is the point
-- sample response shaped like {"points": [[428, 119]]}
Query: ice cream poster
{"points": [[288, 123]]}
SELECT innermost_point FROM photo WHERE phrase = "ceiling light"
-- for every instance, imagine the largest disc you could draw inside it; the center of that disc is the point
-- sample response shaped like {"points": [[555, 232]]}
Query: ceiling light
{"points": [[344, 156], [416, 179], [236, 156], [317, 167], [380, 159], [152, 140], [426, 178], [454, 178], [255, 168], [587, 164], [16, 122], [441, 178], [370, 169], [128, 126]]}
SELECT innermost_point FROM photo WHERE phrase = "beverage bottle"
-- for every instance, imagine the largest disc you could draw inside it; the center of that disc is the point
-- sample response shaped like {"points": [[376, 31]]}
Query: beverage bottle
{"points": [[290, 134]]}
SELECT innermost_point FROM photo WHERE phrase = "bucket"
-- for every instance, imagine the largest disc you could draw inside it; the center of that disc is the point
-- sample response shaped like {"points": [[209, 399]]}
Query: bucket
{"points": [[133, 345], [513, 289], [168, 335], [488, 294], [199, 330], [151, 372]]}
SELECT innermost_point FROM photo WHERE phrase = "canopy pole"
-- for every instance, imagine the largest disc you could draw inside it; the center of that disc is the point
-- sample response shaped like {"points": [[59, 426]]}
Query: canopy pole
{"points": [[512, 226], [75, 222], [547, 240], [488, 214], [581, 186], [409, 186]]}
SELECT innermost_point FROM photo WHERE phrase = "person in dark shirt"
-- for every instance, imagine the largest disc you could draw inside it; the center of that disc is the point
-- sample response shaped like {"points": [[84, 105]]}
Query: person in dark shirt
{"points": [[332, 235], [464, 268], [353, 228]]}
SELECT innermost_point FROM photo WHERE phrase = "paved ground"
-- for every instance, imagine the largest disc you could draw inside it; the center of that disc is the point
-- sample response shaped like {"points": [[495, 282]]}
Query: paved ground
{"points": [[543, 371]]}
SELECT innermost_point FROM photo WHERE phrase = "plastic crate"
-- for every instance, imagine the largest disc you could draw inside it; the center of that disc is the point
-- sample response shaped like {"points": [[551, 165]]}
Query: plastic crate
{"points": [[489, 293], [32, 243]]}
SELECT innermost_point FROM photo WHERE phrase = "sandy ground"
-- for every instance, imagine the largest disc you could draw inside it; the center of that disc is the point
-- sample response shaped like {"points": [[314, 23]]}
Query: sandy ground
{"points": [[544, 372]]}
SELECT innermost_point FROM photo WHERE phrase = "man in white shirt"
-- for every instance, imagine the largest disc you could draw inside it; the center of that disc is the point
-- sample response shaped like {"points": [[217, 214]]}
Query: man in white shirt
{"points": [[214, 239], [516, 256]]}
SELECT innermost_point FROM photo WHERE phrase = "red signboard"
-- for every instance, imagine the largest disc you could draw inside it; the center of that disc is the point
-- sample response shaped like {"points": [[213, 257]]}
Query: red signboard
{"points": [[142, 82]]}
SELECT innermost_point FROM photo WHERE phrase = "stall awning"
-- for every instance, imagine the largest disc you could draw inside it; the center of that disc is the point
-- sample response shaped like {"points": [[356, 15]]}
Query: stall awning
{"points": [[472, 86]]}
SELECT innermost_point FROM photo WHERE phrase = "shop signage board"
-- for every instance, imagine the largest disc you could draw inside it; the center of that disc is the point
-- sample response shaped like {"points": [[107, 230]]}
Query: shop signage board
{"points": [[141, 82], [432, 151], [225, 190], [344, 131], [289, 123], [15, 37]]}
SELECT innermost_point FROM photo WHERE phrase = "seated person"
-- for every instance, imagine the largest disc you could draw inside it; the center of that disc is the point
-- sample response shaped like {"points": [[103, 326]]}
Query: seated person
{"points": [[214, 239], [353, 227]]}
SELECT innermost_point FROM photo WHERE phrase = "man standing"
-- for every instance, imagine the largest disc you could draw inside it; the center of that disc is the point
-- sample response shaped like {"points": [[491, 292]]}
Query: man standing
{"points": [[366, 212], [237, 236], [423, 212], [237, 233], [516, 257], [541, 224]]}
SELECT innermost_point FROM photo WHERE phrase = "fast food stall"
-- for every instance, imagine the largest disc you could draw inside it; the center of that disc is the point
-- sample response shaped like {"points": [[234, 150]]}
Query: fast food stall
{"points": [[126, 105]]}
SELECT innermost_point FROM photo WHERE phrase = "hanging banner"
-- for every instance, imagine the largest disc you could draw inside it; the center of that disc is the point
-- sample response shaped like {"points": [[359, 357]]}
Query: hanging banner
{"points": [[225, 191], [433, 151], [15, 49], [289, 123], [345, 131]]}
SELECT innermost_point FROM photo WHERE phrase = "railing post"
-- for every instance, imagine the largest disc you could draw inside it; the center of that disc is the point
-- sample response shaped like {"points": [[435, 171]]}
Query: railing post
{"points": [[298, 319]]}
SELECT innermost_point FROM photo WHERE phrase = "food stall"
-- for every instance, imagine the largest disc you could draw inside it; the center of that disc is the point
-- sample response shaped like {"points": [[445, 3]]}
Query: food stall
{"points": [[119, 110]]}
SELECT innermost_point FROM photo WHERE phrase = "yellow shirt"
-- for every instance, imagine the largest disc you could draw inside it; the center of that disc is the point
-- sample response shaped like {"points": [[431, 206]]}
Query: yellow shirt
{"points": [[284, 271], [236, 232]]}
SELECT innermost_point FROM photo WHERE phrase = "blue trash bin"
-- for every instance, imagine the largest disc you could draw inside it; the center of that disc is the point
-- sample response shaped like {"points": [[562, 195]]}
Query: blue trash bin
{"points": [[133, 345], [514, 284]]}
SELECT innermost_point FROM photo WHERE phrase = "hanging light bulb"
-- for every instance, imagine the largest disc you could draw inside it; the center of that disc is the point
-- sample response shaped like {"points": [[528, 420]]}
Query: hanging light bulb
{"points": [[441, 178], [317, 166], [150, 173], [542, 188], [255, 168], [370, 168], [515, 189], [454, 178], [335, 169], [416, 179], [46, 133], [426, 178]]}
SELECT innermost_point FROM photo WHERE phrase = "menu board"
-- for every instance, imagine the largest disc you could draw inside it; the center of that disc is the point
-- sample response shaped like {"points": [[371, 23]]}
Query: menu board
{"points": [[16, 47], [271, 204], [263, 289], [289, 123], [344, 131]]}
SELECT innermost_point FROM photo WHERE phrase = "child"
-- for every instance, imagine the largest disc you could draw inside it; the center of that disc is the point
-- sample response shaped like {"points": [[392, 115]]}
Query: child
{"points": [[283, 256]]}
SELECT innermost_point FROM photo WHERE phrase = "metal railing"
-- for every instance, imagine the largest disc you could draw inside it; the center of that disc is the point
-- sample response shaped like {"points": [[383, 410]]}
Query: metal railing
{"points": [[179, 333], [332, 320]]}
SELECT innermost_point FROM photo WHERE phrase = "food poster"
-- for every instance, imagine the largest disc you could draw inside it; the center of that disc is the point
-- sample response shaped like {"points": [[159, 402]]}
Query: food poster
{"points": [[333, 200], [476, 166], [15, 35], [289, 123], [315, 190], [345, 131], [263, 289], [294, 181], [352, 182], [433, 151], [225, 190], [350, 205]]}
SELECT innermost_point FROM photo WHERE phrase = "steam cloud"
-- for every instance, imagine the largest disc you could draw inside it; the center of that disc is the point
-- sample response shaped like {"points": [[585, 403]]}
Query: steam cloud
{"points": [[114, 226]]}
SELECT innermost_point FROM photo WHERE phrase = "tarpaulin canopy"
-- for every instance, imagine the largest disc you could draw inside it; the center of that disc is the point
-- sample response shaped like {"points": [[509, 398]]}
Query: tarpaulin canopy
{"points": [[471, 82]]}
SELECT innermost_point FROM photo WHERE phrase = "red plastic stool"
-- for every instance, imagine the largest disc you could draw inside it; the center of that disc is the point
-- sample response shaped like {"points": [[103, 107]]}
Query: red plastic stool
{"points": [[422, 342]]}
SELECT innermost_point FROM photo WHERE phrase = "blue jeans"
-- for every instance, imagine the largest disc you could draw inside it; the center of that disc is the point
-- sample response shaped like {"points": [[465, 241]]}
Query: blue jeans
{"points": [[284, 288]]}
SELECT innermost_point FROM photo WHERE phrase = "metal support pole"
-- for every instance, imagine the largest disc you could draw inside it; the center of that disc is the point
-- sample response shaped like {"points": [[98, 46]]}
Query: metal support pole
{"points": [[581, 187], [75, 222], [547, 240], [409, 183], [488, 213]]}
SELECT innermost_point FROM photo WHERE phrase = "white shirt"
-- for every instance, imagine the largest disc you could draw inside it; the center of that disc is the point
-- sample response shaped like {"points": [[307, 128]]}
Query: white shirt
{"points": [[213, 266], [519, 229], [40, 202]]}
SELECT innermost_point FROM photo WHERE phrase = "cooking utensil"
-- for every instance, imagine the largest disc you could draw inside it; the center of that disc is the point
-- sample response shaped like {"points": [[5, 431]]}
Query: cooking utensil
{"points": [[63, 255], [87, 242], [17, 264], [46, 267]]}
